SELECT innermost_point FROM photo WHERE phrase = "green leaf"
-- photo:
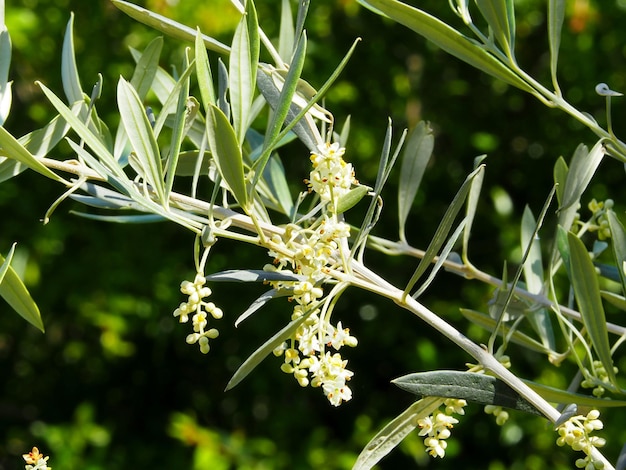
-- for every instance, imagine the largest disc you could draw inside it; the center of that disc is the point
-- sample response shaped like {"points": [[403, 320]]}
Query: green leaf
{"points": [[92, 140], [242, 73], [11, 148], [178, 131], [141, 136], [587, 292], [394, 432], [203, 72], [470, 212], [476, 388], [188, 162], [5, 85], [227, 153], [261, 301], [351, 198], [69, 70], [286, 38], [441, 235], [618, 243], [584, 164], [265, 350], [146, 68], [168, 26], [500, 17], [282, 107], [13, 290], [556, 14], [415, 158], [448, 39]]}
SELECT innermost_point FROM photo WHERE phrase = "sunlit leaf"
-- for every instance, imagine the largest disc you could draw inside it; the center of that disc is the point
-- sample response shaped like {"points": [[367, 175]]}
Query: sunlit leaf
{"points": [[394, 432], [147, 67], [203, 72], [475, 388], [168, 26], [415, 157], [141, 136], [581, 170], [500, 17], [260, 302], [69, 70], [11, 148], [286, 38], [226, 153], [14, 292], [587, 292]]}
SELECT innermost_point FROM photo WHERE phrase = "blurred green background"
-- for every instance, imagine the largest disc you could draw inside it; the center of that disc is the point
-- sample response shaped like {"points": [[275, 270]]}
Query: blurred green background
{"points": [[113, 385]]}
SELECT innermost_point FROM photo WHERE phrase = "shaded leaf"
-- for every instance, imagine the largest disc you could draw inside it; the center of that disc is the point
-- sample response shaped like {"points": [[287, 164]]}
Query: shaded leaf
{"points": [[415, 158], [261, 301], [11, 148], [448, 39], [265, 350], [476, 388], [500, 17], [254, 275], [581, 170], [556, 14]]}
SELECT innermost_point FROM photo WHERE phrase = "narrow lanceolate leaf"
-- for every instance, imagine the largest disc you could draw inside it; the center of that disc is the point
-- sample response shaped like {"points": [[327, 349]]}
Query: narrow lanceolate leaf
{"points": [[441, 235], [500, 17], [14, 292], [265, 350], [227, 153], [476, 388], [394, 432], [11, 148], [178, 131], [447, 38], [555, 395], [69, 71], [286, 38], [415, 158], [584, 164], [241, 73], [147, 67], [618, 243], [261, 301], [203, 72], [470, 212], [168, 26], [5, 85], [587, 292], [141, 136], [254, 275], [556, 14]]}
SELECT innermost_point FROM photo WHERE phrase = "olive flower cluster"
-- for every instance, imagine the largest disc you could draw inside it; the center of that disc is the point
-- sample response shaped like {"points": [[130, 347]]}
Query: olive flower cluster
{"points": [[310, 253], [200, 311], [575, 432], [436, 427]]}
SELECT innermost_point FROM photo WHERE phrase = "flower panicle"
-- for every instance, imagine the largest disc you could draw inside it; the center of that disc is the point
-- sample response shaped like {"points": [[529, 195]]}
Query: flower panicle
{"points": [[200, 311], [436, 428], [576, 433]]}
